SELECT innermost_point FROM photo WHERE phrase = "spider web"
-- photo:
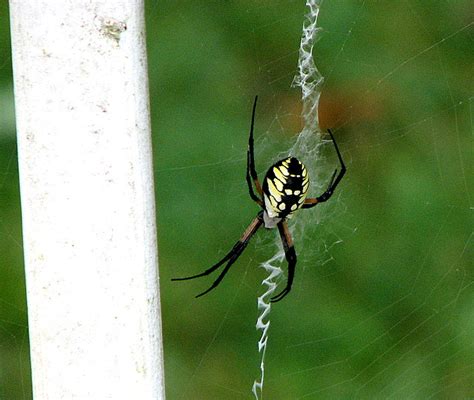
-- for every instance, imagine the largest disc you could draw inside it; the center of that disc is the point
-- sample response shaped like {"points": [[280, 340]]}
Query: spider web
{"points": [[309, 80], [381, 306]]}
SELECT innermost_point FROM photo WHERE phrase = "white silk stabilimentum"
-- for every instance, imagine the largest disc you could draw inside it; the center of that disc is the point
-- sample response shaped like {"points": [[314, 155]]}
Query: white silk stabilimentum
{"points": [[307, 142]]}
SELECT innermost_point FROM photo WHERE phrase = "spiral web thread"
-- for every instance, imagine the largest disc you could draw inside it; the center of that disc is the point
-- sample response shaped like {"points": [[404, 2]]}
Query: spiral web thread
{"points": [[308, 142]]}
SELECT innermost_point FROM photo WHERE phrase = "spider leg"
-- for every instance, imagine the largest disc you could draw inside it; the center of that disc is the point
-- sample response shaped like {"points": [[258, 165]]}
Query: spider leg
{"points": [[212, 269], [290, 258], [236, 252], [331, 182], [335, 179], [251, 172], [230, 257]]}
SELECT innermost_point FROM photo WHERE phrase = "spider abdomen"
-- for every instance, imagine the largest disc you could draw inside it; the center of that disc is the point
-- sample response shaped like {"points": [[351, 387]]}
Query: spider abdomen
{"points": [[285, 188]]}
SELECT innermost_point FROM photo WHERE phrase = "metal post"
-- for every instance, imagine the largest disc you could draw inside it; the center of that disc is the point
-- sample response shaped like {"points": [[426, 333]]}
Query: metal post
{"points": [[87, 195]]}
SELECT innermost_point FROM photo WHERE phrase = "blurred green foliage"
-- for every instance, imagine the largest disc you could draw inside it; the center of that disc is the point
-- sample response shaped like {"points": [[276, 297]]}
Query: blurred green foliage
{"points": [[383, 299]]}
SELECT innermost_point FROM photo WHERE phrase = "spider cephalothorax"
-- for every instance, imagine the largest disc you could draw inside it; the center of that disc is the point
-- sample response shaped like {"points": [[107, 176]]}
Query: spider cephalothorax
{"points": [[283, 192]]}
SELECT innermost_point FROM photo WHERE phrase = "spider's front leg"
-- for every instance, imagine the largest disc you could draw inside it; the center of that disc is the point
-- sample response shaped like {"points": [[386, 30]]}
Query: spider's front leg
{"points": [[290, 255], [230, 257]]}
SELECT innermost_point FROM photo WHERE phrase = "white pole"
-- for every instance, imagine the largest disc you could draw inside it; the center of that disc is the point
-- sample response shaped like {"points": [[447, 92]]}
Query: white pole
{"points": [[87, 199]]}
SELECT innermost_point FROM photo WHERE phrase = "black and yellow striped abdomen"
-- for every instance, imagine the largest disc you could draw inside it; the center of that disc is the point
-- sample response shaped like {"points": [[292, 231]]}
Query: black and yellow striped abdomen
{"points": [[285, 187]]}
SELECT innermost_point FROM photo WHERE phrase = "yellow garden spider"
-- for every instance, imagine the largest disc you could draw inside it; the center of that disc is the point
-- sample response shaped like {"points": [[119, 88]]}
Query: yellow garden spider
{"points": [[283, 192]]}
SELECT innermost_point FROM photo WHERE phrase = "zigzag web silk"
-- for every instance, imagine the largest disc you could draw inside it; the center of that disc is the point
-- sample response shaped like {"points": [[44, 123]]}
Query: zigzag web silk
{"points": [[308, 142]]}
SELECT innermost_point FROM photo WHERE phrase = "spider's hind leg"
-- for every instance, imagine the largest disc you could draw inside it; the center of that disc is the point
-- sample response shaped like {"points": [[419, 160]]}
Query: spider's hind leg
{"points": [[251, 171], [335, 179]]}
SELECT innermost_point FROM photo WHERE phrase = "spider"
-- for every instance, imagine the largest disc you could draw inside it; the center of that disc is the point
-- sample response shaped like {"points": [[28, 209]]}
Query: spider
{"points": [[283, 193]]}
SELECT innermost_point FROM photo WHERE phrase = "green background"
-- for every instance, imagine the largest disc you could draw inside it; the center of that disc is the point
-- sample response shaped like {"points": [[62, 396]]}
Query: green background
{"points": [[382, 305]]}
